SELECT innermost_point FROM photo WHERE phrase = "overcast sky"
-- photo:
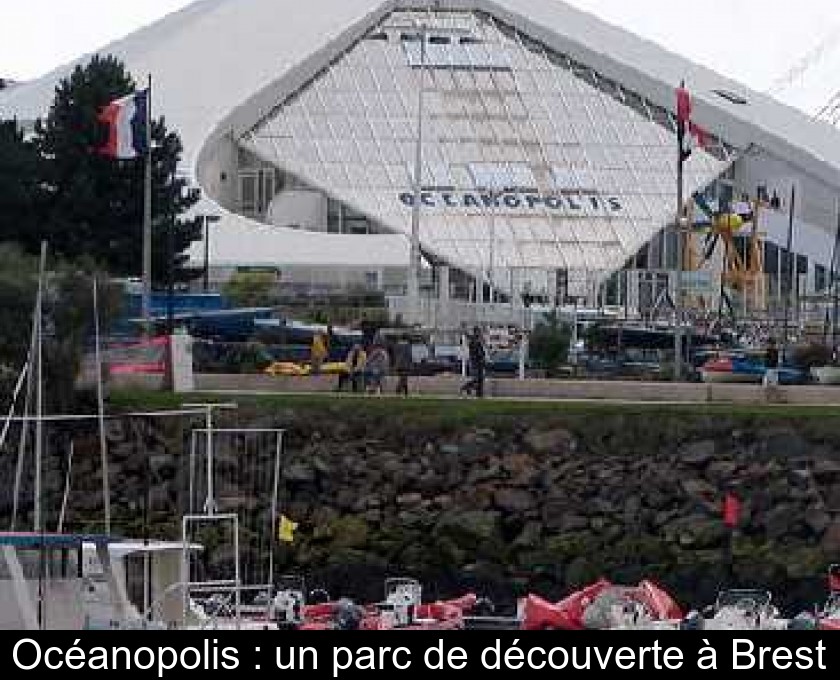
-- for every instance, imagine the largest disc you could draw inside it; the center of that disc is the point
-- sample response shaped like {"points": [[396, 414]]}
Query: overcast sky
{"points": [[749, 40]]}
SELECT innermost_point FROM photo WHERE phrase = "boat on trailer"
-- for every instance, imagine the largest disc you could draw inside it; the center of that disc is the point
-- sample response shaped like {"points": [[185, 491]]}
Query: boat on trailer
{"points": [[739, 609], [603, 606], [827, 617], [830, 614], [401, 609]]}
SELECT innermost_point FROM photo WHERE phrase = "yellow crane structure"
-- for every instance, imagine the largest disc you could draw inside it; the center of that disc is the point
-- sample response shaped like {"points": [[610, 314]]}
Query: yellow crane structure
{"points": [[739, 273]]}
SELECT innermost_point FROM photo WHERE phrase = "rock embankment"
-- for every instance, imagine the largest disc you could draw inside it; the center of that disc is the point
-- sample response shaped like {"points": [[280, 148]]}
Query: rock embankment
{"points": [[506, 504]]}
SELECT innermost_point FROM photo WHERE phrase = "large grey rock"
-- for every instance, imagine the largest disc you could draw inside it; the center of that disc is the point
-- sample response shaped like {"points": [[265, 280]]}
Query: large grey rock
{"points": [[826, 471], [785, 444], [473, 524], [529, 537], [698, 489], [571, 523], [781, 520], [321, 465], [832, 496], [514, 500], [299, 473], [698, 454], [817, 520], [483, 473], [551, 441], [722, 470], [409, 499], [696, 532]]}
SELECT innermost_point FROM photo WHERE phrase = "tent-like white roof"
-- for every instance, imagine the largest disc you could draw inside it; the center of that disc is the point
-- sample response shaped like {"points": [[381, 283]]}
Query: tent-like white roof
{"points": [[220, 66]]}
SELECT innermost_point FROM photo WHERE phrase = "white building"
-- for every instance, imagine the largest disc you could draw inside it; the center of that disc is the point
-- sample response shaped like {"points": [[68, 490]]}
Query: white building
{"points": [[548, 155]]}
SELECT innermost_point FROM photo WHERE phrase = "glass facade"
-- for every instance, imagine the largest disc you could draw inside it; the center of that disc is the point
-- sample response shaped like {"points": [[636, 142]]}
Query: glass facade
{"points": [[530, 160]]}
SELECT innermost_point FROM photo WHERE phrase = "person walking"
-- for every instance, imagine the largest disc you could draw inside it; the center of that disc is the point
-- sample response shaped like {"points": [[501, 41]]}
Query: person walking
{"points": [[477, 364], [771, 364], [403, 363], [376, 367], [354, 369], [369, 332], [771, 357], [318, 352]]}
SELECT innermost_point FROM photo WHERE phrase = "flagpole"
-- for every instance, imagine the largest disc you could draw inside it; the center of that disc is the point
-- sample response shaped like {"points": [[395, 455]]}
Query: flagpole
{"points": [[793, 268], [833, 286], [147, 218], [100, 409], [678, 343]]}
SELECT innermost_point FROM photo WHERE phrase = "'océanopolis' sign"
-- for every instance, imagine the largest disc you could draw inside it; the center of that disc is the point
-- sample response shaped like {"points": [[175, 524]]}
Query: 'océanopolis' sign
{"points": [[563, 203]]}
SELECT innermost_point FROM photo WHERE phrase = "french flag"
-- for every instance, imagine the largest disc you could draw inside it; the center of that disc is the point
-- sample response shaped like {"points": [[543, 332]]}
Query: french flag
{"points": [[126, 120]]}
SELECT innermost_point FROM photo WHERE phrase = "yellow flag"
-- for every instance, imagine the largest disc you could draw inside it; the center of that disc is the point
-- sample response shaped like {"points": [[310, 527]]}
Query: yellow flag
{"points": [[286, 530]]}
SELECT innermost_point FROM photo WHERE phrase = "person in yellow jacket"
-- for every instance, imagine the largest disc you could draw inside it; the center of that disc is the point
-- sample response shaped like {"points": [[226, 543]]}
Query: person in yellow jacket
{"points": [[354, 369], [318, 352]]}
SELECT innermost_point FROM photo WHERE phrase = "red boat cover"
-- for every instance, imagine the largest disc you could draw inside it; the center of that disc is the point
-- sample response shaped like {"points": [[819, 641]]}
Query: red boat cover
{"points": [[540, 614], [568, 614], [661, 605]]}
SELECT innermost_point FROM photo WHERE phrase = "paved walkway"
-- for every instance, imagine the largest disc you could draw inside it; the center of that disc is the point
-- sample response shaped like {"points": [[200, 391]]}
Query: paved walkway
{"points": [[447, 387]]}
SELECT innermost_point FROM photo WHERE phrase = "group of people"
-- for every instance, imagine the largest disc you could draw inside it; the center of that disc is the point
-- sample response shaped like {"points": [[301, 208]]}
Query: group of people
{"points": [[366, 368], [369, 362]]}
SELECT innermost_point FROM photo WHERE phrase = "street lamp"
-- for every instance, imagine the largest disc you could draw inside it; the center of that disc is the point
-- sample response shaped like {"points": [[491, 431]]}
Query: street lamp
{"points": [[207, 220], [414, 265], [492, 267], [421, 33]]}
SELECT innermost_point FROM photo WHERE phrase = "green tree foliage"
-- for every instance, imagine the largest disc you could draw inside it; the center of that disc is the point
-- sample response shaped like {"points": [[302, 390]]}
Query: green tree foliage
{"points": [[95, 204], [20, 191], [549, 343], [252, 289], [67, 320], [18, 284]]}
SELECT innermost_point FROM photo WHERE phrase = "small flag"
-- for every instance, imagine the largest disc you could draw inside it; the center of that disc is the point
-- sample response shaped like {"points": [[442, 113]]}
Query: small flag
{"points": [[683, 106], [731, 510], [689, 134], [126, 120], [286, 530]]}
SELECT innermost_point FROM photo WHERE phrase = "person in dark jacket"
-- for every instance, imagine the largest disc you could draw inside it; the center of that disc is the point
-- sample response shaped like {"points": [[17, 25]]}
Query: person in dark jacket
{"points": [[771, 358], [403, 363], [477, 364]]}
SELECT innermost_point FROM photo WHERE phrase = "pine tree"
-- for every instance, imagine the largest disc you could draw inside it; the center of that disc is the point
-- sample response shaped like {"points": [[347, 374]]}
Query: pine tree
{"points": [[95, 204], [21, 196]]}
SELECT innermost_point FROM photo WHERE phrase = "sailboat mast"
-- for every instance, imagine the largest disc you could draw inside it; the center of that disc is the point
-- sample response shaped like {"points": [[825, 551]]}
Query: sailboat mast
{"points": [[100, 409], [39, 431], [39, 388], [792, 268], [834, 285]]}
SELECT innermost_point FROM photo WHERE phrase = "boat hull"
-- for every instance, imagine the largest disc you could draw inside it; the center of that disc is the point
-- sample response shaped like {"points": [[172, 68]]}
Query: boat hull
{"points": [[826, 375]]}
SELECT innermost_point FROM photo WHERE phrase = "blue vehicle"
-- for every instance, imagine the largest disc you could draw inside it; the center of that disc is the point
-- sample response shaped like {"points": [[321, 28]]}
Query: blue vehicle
{"points": [[747, 368]]}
